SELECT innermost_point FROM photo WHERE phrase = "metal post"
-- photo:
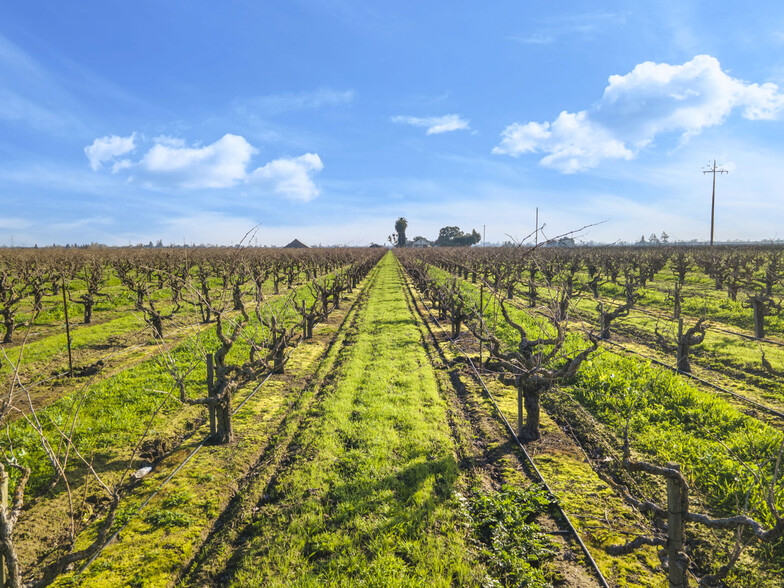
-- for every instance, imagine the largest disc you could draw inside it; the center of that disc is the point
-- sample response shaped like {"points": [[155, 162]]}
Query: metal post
{"points": [[481, 315], [676, 574], [67, 332], [536, 238], [3, 507]]}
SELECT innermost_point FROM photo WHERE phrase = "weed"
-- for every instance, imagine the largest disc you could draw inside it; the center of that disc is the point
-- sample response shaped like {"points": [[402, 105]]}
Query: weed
{"points": [[167, 518], [512, 544]]}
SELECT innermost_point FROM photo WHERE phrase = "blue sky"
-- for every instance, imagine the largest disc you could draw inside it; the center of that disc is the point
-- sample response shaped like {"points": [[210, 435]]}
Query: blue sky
{"points": [[325, 120]]}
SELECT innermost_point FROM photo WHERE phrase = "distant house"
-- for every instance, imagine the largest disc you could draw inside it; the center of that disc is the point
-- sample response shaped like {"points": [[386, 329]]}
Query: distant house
{"points": [[296, 244], [562, 242], [420, 242]]}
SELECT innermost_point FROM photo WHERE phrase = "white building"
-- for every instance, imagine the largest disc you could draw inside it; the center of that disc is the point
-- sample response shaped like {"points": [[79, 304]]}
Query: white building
{"points": [[420, 242]]}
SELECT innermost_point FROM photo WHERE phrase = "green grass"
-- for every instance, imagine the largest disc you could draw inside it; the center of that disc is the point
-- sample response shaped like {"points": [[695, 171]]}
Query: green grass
{"points": [[369, 497], [720, 448], [157, 544], [114, 412]]}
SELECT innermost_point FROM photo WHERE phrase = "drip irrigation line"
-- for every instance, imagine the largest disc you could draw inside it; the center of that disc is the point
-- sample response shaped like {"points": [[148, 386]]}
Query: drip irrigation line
{"points": [[190, 456], [528, 458]]}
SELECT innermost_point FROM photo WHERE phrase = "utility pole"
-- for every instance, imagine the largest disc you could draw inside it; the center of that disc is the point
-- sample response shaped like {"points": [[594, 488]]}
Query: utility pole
{"points": [[713, 170], [484, 235]]}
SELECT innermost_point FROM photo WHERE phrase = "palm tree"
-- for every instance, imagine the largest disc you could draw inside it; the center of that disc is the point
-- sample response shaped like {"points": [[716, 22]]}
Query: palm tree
{"points": [[401, 225]]}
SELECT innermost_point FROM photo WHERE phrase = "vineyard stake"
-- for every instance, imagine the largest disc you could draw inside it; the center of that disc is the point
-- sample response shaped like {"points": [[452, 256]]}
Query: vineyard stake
{"points": [[601, 318], [676, 574], [519, 407], [481, 313], [3, 507], [680, 351], [211, 394], [67, 332]]}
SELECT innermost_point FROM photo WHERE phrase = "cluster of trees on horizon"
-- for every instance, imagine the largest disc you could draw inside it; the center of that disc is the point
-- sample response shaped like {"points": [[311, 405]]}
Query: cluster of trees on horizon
{"points": [[450, 236]]}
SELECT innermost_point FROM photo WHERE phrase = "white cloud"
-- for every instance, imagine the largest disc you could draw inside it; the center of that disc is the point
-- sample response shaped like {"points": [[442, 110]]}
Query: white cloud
{"points": [[435, 124], [652, 99], [290, 178], [107, 148], [572, 142], [218, 165], [222, 164]]}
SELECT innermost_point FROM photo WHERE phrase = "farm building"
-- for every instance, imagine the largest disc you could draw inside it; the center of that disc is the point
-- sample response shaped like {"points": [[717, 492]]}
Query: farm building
{"points": [[420, 242]]}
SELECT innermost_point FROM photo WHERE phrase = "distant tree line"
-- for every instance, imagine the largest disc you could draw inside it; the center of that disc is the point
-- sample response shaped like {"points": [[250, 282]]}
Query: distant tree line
{"points": [[447, 237]]}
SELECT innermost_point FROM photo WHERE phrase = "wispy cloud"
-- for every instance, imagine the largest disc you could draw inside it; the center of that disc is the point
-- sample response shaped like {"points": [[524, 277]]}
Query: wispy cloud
{"points": [[571, 25], [537, 38], [31, 95], [274, 104], [652, 99], [435, 124], [14, 223]]}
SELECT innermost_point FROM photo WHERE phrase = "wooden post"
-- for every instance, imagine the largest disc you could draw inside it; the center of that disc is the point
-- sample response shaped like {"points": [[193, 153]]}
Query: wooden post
{"points": [[676, 574], [3, 507], [304, 322], [520, 424], [211, 393], [759, 318], [67, 332], [601, 320], [679, 354]]}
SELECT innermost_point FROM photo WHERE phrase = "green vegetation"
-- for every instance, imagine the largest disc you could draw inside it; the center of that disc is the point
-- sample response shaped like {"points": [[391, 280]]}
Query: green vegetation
{"points": [[512, 544], [370, 459], [369, 498]]}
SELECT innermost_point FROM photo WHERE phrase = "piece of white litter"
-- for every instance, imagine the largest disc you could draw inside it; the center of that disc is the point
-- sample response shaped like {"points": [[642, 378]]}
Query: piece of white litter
{"points": [[141, 472]]}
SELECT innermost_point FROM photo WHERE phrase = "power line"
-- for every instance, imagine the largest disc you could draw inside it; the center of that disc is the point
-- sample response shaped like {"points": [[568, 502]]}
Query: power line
{"points": [[713, 170]]}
